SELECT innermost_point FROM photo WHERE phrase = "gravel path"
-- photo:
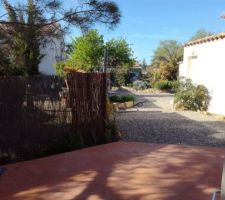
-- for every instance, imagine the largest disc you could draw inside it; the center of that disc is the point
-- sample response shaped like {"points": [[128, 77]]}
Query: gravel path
{"points": [[157, 122]]}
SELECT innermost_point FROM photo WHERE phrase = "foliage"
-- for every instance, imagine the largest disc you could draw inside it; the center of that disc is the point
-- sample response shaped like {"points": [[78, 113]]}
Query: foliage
{"points": [[168, 55], [121, 99], [109, 109], [174, 86], [119, 53], [192, 97], [5, 67], [25, 27], [121, 76], [201, 33], [59, 68], [119, 61], [140, 85], [23, 42], [154, 74], [162, 85], [87, 51], [83, 14], [168, 71]]}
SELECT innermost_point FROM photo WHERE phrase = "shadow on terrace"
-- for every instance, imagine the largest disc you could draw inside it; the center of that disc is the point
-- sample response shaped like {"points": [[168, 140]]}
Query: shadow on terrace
{"points": [[118, 171]]}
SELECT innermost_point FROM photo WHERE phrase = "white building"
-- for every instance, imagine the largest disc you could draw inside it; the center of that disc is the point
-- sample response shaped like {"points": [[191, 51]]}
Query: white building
{"points": [[204, 63], [53, 50]]}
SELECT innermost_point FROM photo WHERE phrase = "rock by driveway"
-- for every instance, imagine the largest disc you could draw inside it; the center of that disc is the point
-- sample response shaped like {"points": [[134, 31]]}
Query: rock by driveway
{"points": [[157, 122]]}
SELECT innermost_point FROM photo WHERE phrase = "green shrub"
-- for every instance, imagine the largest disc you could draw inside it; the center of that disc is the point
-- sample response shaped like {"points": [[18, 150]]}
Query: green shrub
{"points": [[173, 86], [59, 68], [192, 97], [162, 85], [121, 76], [140, 85], [126, 98], [114, 98], [121, 99]]}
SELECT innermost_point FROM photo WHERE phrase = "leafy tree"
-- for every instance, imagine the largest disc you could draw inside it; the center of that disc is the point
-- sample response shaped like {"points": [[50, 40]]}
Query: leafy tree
{"points": [[119, 53], [120, 60], [167, 57], [201, 33], [25, 26], [87, 51]]}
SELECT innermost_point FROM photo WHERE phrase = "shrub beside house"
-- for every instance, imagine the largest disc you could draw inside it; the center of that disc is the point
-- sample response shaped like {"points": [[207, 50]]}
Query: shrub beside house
{"points": [[204, 63]]}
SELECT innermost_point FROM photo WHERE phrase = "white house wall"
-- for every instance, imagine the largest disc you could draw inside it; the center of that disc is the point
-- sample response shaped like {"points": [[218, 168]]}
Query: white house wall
{"points": [[51, 50], [208, 69]]}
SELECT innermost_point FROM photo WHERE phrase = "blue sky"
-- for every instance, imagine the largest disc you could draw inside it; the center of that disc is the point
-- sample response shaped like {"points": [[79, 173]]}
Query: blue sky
{"points": [[145, 23]]}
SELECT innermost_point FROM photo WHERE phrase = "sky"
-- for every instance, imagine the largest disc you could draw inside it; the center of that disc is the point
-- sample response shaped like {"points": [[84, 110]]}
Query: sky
{"points": [[145, 23]]}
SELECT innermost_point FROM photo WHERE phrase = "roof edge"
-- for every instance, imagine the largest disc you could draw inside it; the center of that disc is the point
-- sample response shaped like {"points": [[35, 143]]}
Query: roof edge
{"points": [[206, 39]]}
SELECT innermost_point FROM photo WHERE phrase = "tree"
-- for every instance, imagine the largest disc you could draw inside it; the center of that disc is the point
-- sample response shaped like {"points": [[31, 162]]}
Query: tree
{"points": [[167, 57], [119, 53], [25, 26], [201, 33], [23, 42], [87, 51], [83, 14], [120, 60]]}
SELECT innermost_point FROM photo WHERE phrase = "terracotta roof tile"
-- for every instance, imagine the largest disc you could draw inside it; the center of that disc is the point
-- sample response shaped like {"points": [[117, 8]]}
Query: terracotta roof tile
{"points": [[206, 39], [48, 29]]}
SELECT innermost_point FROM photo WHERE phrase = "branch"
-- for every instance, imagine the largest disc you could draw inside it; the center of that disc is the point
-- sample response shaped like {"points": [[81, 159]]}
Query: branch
{"points": [[52, 22]]}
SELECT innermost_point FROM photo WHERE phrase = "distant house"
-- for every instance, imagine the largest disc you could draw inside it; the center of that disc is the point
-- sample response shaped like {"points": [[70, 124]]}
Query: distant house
{"points": [[53, 48], [204, 63], [136, 71]]}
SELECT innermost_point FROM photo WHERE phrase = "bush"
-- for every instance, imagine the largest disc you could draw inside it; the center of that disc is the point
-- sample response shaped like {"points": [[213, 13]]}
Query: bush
{"points": [[59, 68], [121, 76], [140, 85], [162, 85], [121, 99], [192, 97], [154, 74], [173, 86]]}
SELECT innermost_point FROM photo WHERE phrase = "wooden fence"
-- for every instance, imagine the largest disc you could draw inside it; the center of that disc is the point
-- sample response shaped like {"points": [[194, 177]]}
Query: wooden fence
{"points": [[87, 92], [32, 116], [35, 118]]}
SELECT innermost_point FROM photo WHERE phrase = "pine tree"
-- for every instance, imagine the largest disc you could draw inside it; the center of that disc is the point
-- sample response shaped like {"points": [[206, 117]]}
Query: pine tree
{"points": [[24, 41]]}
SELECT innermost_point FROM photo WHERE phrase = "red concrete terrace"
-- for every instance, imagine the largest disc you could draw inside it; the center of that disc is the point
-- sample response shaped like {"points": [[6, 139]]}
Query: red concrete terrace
{"points": [[118, 171]]}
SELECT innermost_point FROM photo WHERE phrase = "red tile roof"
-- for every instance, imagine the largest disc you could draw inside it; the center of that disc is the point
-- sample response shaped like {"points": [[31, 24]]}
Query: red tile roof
{"points": [[48, 29], [206, 39]]}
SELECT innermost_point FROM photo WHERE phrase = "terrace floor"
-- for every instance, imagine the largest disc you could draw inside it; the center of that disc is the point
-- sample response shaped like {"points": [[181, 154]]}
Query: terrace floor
{"points": [[118, 171]]}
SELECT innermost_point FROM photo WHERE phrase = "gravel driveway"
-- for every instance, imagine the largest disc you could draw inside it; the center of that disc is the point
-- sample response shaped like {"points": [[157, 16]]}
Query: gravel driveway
{"points": [[157, 122]]}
